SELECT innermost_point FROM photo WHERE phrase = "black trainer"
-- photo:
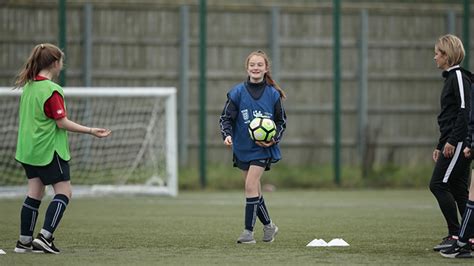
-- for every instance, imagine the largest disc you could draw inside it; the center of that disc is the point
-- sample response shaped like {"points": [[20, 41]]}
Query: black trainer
{"points": [[25, 248], [456, 251], [45, 244], [447, 242]]}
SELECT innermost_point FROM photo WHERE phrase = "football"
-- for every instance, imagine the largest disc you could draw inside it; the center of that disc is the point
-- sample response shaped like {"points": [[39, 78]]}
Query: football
{"points": [[262, 129]]}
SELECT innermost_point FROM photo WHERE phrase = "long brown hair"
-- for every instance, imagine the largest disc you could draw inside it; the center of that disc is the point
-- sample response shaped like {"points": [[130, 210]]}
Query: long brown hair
{"points": [[268, 77], [42, 57]]}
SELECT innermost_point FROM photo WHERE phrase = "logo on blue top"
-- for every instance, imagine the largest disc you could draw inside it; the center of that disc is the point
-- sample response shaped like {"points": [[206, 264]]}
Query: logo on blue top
{"points": [[257, 113], [245, 114]]}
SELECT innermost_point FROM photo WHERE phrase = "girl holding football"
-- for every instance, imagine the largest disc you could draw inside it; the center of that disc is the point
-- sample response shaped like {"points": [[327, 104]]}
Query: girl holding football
{"points": [[257, 96], [42, 145]]}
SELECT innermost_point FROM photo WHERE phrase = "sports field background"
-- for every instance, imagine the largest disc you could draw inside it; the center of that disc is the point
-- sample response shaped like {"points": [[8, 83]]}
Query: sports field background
{"points": [[200, 228], [137, 44]]}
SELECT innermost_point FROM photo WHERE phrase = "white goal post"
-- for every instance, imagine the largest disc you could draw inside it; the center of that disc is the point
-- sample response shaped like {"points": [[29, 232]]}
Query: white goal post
{"points": [[139, 157]]}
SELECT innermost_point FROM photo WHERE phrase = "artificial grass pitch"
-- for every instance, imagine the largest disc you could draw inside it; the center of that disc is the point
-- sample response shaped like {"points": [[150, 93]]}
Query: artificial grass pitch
{"points": [[201, 228]]}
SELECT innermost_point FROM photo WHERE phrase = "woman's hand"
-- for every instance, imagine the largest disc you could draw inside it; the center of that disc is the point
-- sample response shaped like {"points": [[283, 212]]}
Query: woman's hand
{"points": [[467, 152], [448, 150], [436, 155]]}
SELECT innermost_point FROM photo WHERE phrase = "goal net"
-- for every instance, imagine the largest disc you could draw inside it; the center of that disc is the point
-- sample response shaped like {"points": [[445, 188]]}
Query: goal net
{"points": [[139, 157]]}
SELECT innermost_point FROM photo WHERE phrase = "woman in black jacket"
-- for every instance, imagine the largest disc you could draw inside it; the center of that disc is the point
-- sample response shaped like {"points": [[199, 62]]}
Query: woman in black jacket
{"points": [[449, 182], [462, 247]]}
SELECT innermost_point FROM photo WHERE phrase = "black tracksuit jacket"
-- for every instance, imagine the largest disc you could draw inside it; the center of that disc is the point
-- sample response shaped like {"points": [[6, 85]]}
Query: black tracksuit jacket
{"points": [[455, 99]]}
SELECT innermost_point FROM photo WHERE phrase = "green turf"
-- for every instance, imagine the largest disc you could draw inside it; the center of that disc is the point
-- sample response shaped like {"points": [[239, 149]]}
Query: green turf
{"points": [[383, 227]]}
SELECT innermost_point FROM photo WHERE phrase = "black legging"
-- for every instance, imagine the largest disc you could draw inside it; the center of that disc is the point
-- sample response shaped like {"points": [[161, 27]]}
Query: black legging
{"points": [[451, 189]]}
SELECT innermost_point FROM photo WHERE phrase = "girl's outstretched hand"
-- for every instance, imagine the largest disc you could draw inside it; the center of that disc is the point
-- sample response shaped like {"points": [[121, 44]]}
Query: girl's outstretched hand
{"points": [[100, 132]]}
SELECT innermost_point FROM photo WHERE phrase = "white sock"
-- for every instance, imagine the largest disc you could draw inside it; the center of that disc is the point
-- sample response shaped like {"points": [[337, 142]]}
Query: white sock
{"points": [[46, 234], [26, 239]]}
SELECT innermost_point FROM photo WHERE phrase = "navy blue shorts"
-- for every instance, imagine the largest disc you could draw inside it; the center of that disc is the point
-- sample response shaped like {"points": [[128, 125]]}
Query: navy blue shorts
{"points": [[265, 163], [56, 171]]}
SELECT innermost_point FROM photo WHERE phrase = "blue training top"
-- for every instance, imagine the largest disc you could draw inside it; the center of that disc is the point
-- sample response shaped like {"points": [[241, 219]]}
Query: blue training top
{"points": [[243, 146]]}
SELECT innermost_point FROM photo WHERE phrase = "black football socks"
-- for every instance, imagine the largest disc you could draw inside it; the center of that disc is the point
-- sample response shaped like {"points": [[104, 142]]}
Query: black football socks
{"points": [[28, 216], [467, 223], [262, 212], [251, 207], [54, 213]]}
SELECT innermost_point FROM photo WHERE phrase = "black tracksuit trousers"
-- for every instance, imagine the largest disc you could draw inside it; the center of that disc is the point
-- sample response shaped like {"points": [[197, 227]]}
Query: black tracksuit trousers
{"points": [[449, 184]]}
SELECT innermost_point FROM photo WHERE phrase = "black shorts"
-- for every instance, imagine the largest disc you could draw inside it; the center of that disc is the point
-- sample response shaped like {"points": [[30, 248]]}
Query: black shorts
{"points": [[56, 171], [265, 163]]}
